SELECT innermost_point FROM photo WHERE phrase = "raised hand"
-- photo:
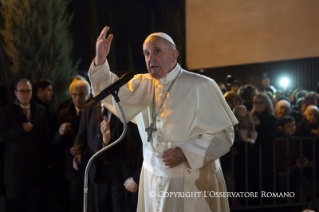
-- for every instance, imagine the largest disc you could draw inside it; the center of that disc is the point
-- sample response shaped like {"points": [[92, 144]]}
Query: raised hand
{"points": [[103, 46]]}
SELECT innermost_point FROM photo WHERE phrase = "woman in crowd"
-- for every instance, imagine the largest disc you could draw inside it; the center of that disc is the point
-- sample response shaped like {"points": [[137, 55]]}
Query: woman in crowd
{"points": [[263, 148], [309, 126], [283, 108]]}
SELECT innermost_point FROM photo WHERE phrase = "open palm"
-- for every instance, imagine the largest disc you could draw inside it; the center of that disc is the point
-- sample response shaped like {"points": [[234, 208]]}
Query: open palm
{"points": [[103, 46]]}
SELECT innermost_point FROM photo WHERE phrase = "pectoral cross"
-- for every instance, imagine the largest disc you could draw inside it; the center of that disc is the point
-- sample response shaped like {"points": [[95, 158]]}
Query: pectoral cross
{"points": [[150, 130]]}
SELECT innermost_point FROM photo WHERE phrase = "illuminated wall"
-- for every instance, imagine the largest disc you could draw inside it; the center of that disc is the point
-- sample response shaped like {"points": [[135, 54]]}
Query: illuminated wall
{"points": [[233, 32]]}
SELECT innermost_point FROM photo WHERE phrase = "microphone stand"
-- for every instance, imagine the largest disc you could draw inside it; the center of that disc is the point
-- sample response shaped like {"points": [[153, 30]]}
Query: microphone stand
{"points": [[102, 150]]}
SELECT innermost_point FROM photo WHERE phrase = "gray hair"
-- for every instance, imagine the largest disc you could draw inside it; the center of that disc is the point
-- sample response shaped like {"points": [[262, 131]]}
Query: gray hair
{"points": [[80, 83]]}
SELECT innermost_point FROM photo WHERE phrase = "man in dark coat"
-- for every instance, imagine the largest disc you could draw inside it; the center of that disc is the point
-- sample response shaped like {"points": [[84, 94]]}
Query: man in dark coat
{"points": [[106, 190], [24, 129], [133, 160], [68, 120], [42, 93]]}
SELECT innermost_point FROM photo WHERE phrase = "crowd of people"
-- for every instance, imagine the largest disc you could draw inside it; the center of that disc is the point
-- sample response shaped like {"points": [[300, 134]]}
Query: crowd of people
{"points": [[46, 152], [58, 149], [279, 128]]}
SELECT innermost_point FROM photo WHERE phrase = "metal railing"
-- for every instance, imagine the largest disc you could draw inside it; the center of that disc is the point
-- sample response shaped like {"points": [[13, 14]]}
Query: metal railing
{"points": [[240, 155]]}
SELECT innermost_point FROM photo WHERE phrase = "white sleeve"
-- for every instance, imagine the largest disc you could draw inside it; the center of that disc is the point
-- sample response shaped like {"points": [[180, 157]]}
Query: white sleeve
{"points": [[134, 96], [207, 148], [101, 77]]}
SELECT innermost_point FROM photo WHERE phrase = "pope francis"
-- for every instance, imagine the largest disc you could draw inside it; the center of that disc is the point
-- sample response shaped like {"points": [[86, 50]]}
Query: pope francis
{"points": [[184, 122]]}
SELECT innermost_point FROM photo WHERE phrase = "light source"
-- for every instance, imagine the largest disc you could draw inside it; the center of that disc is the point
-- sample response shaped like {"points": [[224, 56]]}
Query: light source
{"points": [[284, 82]]}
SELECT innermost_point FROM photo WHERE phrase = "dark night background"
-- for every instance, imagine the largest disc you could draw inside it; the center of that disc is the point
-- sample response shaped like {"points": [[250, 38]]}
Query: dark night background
{"points": [[130, 22]]}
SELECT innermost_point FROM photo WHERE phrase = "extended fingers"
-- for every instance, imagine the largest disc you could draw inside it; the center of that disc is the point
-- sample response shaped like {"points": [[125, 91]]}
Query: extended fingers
{"points": [[103, 33], [103, 125], [104, 128], [169, 150], [165, 153], [106, 133], [172, 157], [171, 164], [109, 39]]}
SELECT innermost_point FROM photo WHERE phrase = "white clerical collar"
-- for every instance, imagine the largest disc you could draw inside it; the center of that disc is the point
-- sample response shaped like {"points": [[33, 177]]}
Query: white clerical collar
{"points": [[170, 76]]}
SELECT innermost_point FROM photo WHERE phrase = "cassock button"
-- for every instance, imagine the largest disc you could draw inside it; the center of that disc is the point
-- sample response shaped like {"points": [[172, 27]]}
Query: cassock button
{"points": [[157, 209], [159, 185], [98, 135], [158, 201]]}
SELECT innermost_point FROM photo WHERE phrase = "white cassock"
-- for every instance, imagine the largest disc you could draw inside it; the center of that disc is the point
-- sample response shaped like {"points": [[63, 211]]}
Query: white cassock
{"points": [[195, 117]]}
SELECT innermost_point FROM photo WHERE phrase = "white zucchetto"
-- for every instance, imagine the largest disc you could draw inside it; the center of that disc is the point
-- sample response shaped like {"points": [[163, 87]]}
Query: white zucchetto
{"points": [[162, 35]]}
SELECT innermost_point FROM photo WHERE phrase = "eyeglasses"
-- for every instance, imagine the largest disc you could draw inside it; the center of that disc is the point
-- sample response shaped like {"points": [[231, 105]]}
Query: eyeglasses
{"points": [[22, 92], [258, 103]]}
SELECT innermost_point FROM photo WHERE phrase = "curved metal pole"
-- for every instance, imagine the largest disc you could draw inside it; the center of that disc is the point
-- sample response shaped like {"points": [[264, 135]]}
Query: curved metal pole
{"points": [[99, 152]]}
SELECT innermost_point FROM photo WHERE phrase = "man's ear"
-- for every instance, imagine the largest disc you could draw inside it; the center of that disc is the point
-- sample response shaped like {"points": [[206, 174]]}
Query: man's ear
{"points": [[175, 54]]}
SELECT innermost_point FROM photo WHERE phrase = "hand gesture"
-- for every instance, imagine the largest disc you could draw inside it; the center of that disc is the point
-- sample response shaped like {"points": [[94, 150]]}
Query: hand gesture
{"points": [[315, 131], [172, 157], [72, 150], [302, 163], [103, 46], [27, 127], [130, 185], [105, 130], [76, 161], [64, 128]]}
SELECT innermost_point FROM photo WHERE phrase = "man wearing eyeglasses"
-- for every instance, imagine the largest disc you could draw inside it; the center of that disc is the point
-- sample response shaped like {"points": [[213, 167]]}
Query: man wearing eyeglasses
{"points": [[24, 129]]}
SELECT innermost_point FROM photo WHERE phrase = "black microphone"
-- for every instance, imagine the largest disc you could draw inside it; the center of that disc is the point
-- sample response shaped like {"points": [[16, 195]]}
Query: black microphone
{"points": [[114, 88]]}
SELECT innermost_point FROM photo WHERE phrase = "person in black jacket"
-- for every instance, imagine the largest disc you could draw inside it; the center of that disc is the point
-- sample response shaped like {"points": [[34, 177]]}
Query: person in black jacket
{"points": [[133, 160], [65, 103], [106, 191], [69, 119], [267, 130], [24, 129], [42, 93]]}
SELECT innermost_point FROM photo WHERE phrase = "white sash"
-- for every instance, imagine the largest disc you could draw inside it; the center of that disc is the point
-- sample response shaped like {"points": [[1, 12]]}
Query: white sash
{"points": [[154, 164]]}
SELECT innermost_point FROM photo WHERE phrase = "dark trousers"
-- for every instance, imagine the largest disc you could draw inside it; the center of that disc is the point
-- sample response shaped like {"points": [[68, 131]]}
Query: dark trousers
{"points": [[107, 197], [22, 199], [75, 190]]}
